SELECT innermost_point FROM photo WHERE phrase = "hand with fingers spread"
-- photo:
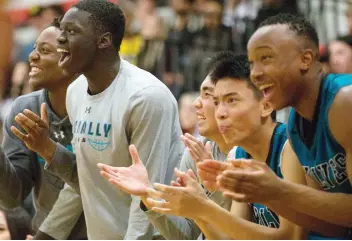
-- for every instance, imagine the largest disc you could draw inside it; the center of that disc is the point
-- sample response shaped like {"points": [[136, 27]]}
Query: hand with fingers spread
{"points": [[199, 152], [133, 179], [37, 137], [188, 201], [250, 181], [209, 170]]}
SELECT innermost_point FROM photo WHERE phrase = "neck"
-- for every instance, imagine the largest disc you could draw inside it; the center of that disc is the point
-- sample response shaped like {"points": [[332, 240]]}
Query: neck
{"points": [[102, 72], [57, 99], [305, 104], [258, 145], [224, 148]]}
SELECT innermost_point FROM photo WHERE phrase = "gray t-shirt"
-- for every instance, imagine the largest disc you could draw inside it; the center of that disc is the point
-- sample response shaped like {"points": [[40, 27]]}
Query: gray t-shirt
{"points": [[138, 109]]}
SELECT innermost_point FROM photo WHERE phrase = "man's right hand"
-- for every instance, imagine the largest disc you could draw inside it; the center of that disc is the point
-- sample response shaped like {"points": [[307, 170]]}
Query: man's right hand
{"points": [[133, 179], [37, 138]]}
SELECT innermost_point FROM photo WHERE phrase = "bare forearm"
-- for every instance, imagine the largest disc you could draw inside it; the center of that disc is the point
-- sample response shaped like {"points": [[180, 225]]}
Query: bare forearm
{"points": [[309, 222], [238, 228], [210, 232], [334, 208]]}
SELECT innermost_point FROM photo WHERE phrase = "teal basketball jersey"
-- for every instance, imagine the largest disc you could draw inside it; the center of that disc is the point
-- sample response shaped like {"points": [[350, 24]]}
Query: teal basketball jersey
{"points": [[322, 157], [261, 214]]}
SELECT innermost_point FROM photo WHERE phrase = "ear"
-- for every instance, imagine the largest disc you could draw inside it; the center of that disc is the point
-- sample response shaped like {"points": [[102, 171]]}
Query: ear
{"points": [[307, 59], [105, 40], [267, 109]]}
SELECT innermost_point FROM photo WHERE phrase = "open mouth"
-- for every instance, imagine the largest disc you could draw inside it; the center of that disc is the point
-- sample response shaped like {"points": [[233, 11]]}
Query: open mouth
{"points": [[65, 56], [200, 117], [34, 71], [267, 89]]}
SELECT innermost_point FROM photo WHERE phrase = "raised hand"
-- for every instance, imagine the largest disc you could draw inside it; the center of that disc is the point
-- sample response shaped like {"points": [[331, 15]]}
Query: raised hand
{"points": [[209, 170], [249, 181], [37, 138], [197, 149], [187, 201], [133, 179]]}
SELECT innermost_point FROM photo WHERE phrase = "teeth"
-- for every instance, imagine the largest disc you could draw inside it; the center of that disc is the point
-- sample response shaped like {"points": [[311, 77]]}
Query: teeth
{"points": [[35, 69], [201, 117], [62, 51], [262, 87]]}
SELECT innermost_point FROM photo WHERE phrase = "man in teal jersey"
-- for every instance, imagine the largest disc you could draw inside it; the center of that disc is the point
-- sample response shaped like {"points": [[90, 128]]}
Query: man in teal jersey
{"points": [[284, 59]]}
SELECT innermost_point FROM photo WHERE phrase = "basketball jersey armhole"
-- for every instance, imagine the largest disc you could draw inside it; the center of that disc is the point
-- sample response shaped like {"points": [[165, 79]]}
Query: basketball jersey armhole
{"points": [[232, 153], [281, 156], [326, 115]]}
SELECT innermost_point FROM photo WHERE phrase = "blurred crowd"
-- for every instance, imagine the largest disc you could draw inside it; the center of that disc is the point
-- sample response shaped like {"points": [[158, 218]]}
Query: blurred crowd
{"points": [[169, 38]]}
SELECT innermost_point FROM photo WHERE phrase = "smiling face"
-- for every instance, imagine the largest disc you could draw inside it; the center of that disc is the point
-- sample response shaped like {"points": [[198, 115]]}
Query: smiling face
{"points": [[276, 61], [77, 42], [239, 112], [43, 60], [205, 110]]}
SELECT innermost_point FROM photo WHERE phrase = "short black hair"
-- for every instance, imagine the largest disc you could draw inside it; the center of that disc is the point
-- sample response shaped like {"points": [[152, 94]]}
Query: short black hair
{"points": [[105, 17], [56, 22], [227, 64], [230, 65], [298, 24]]}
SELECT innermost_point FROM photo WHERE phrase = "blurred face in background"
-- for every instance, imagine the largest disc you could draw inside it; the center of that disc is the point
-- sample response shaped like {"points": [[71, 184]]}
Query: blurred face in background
{"points": [[212, 14], [349, 18], [181, 7], [4, 230], [340, 58]]}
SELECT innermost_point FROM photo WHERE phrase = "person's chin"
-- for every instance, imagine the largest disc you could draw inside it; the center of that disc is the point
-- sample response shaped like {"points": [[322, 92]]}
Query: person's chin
{"points": [[36, 84]]}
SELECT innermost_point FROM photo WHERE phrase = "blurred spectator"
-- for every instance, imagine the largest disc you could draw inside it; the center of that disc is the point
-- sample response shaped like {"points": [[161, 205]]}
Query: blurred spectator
{"points": [[187, 112], [240, 16], [132, 41], [153, 31], [213, 37], [274, 7], [15, 224], [50, 12], [6, 47], [324, 59], [177, 45], [340, 55], [349, 17]]}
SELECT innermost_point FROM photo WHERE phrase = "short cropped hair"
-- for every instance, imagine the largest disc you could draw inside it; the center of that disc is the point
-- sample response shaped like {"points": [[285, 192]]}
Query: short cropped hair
{"points": [[105, 17], [299, 25], [230, 65]]}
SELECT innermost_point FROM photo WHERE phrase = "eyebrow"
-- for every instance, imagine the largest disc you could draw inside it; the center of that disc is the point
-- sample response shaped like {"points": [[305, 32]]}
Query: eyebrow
{"points": [[230, 94], [205, 88], [70, 23], [263, 47], [41, 44]]}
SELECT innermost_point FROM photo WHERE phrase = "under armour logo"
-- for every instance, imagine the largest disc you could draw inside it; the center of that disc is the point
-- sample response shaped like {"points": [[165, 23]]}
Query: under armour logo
{"points": [[59, 135], [88, 109]]}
